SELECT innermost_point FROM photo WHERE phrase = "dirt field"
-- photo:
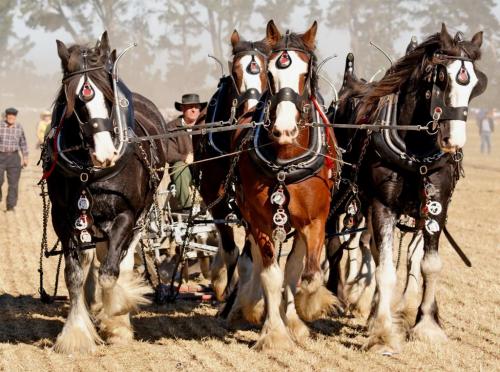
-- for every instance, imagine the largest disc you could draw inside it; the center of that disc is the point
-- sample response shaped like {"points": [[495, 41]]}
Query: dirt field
{"points": [[187, 336]]}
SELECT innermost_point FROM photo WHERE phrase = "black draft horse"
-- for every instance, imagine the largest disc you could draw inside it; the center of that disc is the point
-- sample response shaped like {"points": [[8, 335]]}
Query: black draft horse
{"points": [[100, 187], [410, 172]]}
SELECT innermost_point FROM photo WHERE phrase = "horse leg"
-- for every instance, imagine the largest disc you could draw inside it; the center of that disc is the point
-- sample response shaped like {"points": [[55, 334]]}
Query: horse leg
{"points": [[122, 290], [249, 297], [366, 277], [313, 299], [78, 333], [293, 270], [334, 254], [274, 333], [359, 286], [410, 300], [428, 326], [224, 265], [382, 336]]}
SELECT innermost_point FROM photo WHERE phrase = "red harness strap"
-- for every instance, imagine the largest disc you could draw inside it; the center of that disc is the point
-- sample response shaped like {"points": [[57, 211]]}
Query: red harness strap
{"points": [[330, 135]]}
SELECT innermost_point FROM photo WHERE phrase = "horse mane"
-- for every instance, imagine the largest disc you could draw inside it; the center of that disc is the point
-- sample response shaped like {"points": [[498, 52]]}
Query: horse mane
{"points": [[295, 41], [409, 69], [101, 78]]}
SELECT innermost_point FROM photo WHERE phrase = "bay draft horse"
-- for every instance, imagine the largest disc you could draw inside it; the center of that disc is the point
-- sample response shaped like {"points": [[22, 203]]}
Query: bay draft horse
{"points": [[116, 185], [293, 85], [237, 94], [412, 173]]}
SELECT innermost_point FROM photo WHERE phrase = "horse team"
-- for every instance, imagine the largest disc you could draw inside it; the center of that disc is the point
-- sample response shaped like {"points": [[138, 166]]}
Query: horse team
{"points": [[286, 177]]}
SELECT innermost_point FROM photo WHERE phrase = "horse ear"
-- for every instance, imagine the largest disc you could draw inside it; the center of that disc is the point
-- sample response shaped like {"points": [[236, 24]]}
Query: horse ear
{"points": [[104, 43], [309, 37], [446, 40], [235, 38], [63, 52], [477, 39], [273, 35]]}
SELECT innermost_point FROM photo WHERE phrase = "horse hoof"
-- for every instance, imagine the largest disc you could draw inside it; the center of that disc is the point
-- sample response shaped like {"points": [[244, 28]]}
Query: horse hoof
{"points": [[298, 330], [274, 339], [428, 330]]}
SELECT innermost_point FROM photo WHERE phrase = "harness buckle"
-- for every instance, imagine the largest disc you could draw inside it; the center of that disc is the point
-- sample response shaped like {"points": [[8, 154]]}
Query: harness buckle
{"points": [[84, 177], [437, 113], [423, 170], [281, 176]]}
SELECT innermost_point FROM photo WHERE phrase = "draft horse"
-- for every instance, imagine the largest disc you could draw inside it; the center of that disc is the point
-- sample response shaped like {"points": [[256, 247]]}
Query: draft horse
{"points": [[100, 188], [237, 94], [284, 185], [412, 173]]}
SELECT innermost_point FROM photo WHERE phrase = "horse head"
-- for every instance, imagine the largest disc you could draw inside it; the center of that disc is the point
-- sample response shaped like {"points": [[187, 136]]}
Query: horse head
{"points": [[88, 92], [292, 80], [249, 69], [456, 76]]}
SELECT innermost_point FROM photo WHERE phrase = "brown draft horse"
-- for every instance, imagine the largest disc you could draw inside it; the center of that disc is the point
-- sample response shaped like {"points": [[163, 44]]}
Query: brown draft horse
{"points": [[244, 86], [292, 67]]}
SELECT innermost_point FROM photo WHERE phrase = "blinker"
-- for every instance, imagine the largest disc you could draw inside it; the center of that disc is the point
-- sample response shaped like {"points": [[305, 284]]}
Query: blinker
{"points": [[462, 75], [284, 60], [253, 67], [87, 92]]}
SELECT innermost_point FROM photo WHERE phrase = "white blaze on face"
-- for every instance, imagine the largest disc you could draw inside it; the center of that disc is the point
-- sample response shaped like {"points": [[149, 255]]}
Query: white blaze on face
{"points": [[103, 143], [286, 111], [459, 97], [249, 80]]}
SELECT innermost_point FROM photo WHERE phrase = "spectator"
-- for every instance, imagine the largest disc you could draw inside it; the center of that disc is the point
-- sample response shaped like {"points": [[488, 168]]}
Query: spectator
{"points": [[43, 127], [486, 128], [12, 141]]}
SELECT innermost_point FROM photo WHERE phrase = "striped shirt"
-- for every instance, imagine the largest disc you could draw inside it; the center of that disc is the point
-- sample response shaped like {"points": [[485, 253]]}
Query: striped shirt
{"points": [[12, 138]]}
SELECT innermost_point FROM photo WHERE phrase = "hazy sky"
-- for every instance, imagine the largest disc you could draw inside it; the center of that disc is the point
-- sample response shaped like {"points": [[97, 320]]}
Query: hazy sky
{"points": [[329, 43]]}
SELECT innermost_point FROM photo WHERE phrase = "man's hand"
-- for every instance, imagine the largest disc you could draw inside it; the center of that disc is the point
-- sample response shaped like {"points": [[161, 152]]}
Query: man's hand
{"points": [[189, 158], [25, 162]]}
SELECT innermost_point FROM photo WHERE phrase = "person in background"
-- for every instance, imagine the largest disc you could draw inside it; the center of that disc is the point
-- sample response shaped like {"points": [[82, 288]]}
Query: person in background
{"points": [[486, 128], [43, 127], [12, 141], [180, 149]]}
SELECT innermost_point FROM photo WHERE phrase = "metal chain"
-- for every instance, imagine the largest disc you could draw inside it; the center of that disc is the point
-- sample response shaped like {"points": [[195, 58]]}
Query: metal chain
{"points": [[401, 237], [44, 250]]}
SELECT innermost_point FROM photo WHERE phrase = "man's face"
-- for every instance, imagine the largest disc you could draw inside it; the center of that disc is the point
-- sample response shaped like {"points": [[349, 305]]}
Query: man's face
{"points": [[10, 119], [191, 113]]}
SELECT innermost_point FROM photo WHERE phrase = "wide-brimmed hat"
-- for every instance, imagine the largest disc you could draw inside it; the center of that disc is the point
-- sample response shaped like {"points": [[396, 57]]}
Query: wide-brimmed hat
{"points": [[190, 99], [11, 111]]}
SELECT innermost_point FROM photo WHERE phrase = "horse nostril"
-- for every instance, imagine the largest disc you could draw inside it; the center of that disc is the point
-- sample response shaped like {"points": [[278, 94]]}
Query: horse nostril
{"points": [[276, 133], [294, 132]]}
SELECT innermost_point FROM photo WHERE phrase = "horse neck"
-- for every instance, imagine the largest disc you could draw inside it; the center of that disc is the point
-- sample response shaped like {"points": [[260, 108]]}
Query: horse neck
{"points": [[414, 110]]}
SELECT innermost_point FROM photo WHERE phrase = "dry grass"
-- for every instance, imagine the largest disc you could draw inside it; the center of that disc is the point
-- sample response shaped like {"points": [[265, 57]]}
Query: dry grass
{"points": [[187, 336]]}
